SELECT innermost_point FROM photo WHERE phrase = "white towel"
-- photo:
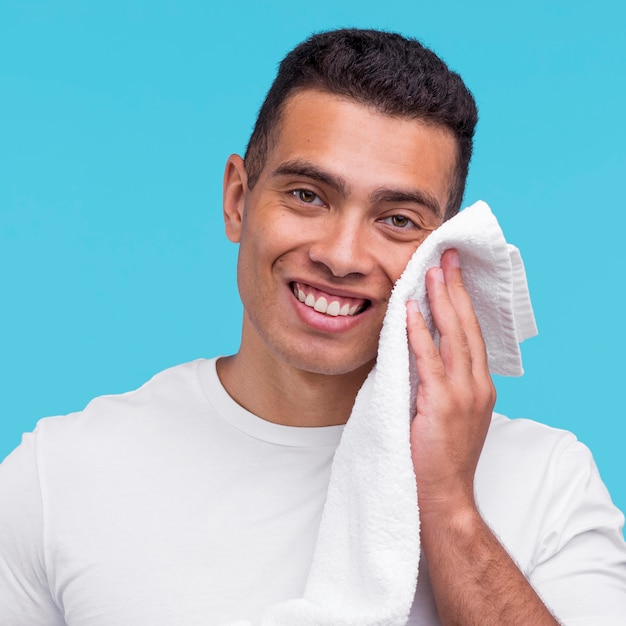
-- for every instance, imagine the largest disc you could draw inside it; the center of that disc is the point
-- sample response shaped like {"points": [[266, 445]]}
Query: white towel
{"points": [[365, 566]]}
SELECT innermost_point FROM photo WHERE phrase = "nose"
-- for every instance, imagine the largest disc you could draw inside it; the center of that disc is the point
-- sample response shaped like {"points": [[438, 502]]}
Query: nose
{"points": [[342, 246]]}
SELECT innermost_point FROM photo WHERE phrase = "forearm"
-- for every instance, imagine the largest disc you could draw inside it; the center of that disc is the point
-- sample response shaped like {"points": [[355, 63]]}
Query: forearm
{"points": [[474, 580]]}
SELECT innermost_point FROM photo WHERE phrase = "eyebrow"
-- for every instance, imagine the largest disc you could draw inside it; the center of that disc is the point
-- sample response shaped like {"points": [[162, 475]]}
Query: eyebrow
{"points": [[413, 196], [301, 167]]}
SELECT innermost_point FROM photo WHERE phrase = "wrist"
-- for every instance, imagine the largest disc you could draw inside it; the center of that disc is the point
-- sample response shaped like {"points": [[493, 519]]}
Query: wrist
{"points": [[460, 516]]}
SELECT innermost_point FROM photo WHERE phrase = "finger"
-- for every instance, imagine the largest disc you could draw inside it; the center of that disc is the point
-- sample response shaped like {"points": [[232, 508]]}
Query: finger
{"points": [[427, 358], [462, 302], [453, 345]]}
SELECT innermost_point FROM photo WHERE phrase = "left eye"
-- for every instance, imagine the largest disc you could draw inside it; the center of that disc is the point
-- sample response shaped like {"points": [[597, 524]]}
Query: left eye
{"points": [[307, 197], [398, 221]]}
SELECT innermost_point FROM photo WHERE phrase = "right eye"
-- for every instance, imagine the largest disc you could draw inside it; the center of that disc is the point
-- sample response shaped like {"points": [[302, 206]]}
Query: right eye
{"points": [[306, 196]]}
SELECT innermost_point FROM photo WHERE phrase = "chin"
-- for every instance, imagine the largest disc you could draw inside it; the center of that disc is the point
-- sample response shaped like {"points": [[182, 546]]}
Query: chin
{"points": [[330, 365]]}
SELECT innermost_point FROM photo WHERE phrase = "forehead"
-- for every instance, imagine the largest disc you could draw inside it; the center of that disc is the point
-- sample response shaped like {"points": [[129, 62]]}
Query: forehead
{"points": [[362, 145]]}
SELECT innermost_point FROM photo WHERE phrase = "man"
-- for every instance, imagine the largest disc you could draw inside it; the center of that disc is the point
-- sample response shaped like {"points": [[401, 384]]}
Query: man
{"points": [[196, 499]]}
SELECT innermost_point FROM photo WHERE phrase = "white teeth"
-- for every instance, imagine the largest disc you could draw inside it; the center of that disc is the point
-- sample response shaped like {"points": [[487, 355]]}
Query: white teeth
{"points": [[321, 305], [333, 308]]}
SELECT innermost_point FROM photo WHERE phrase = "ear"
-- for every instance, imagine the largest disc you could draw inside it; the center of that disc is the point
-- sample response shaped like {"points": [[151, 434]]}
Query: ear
{"points": [[234, 196]]}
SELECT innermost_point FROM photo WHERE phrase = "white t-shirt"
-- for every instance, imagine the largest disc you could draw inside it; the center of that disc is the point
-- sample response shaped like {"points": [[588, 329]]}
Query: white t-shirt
{"points": [[171, 504]]}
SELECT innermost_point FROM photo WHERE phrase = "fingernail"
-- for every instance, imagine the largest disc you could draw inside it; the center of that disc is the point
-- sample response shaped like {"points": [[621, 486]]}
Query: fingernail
{"points": [[440, 275], [456, 260], [413, 305]]}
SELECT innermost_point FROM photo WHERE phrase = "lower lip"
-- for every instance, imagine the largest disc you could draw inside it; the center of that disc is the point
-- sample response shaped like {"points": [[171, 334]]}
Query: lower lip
{"points": [[326, 323]]}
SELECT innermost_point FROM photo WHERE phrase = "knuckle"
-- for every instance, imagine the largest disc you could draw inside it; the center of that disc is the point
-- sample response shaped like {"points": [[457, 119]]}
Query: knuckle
{"points": [[486, 394], [474, 324]]}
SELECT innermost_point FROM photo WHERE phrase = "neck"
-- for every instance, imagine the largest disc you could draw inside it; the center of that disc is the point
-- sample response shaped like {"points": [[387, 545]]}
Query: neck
{"points": [[285, 395]]}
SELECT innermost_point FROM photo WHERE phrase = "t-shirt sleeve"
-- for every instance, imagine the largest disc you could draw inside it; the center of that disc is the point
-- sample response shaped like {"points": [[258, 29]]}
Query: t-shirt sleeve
{"points": [[580, 564], [24, 591]]}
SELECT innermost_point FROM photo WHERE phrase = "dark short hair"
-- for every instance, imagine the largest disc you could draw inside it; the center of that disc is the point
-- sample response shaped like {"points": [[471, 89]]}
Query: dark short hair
{"points": [[396, 75]]}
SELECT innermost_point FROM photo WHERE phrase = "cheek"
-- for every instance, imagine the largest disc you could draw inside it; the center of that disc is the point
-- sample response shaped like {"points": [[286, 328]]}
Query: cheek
{"points": [[269, 233], [261, 253], [395, 262], [255, 248]]}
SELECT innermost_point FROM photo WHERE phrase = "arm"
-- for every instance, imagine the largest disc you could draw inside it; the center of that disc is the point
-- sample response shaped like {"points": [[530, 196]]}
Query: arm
{"points": [[24, 592], [474, 580]]}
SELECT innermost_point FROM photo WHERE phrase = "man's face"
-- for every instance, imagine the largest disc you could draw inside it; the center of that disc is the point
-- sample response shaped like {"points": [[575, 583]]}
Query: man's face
{"points": [[344, 199]]}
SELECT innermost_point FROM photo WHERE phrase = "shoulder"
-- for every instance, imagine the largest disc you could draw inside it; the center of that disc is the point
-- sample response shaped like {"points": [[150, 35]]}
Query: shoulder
{"points": [[523, 445], [172, 389], [538, 487], [541, 493], [527, 457], [140, 422], [116, 439]]}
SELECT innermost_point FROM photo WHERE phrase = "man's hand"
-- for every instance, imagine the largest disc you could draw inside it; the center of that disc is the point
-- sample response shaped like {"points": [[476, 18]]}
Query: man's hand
{"points": [[455, 397], [473, 578]]}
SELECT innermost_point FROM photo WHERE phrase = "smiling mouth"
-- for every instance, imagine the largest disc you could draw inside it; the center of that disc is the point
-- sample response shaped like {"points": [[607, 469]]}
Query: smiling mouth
{"points": [[327, 303]]}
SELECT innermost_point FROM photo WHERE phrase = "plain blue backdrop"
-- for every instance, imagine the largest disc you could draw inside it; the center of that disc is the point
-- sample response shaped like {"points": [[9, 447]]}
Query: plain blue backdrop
{"points": [[115, 122]]}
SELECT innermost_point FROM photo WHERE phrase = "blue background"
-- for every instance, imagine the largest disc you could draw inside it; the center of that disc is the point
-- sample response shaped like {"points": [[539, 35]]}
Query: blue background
{"points": [[115, 122]]}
